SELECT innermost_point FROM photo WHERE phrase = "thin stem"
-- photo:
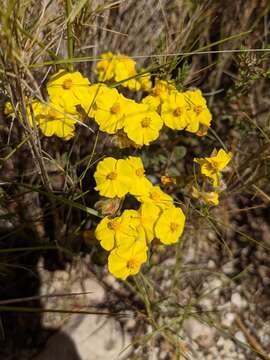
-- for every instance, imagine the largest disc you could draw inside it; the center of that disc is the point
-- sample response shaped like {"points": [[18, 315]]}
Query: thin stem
{"points": [[69, 34]]}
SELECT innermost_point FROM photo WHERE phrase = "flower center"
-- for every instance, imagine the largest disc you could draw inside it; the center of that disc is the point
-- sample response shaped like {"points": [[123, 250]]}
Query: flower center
{"points": [[213, 166], [145, 122], [173, 227], [52, 115], [114, 225], [115, 109], [198, 109], [131, 264], [67, 84], [177, 111], [154, 195], [158, 90], [140, 172], [112, 175]]}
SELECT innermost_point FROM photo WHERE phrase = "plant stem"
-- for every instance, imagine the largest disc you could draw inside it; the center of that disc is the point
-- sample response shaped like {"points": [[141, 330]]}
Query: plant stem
{"points": [[69, 34]]}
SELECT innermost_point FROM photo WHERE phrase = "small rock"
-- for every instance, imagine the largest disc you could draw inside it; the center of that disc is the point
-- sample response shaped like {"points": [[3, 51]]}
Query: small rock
{"points": [[190, 254], [228, 346], [220, 342], [112, 281], [228, 319], [211, 264], [154, 354], [240, 357], [130, 324], [211, 235], [162, 355], [96, 292], [206, 303], [240, 336], [94, 337], [228, 268], [201, 333], [214, 286], [238, 301]]}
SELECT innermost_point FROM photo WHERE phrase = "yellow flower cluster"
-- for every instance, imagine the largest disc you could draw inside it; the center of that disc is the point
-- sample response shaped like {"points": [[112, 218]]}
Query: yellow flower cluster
{"points": [[128, 236], [211, 168], [59, 115], [142, 122], [180, 110], [71, 98], [121, 68]]}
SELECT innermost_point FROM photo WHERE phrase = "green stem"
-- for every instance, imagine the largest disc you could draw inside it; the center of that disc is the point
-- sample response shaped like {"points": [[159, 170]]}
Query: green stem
{"points": [[69, 34]]}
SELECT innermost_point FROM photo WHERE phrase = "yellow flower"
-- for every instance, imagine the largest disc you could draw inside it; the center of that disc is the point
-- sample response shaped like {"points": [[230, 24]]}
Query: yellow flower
{"points": [[53, 119], [143, 220], [160, 92], [170, 225], [156, 197], [153, 102], [198, 112], [142, 125], [125, 68], [210, 197], [70, 88], [162, 89], [149, 214], [174, 111], [8, 109], [133, 217], [110, 110], [94, 92], [122, 73], [211, 166], [105, 68], [145, 81], [112, 232], [118, 68], [113, 177], [140, 184], [125, 261], [33, 109]]}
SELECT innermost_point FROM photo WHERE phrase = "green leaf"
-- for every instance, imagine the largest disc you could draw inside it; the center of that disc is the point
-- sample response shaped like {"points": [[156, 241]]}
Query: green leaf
{"points": [[180, 152]]}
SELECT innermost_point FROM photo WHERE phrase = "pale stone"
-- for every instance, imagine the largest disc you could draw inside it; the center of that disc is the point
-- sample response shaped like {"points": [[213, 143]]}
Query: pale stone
{"points": [[240, 336], [238, 301], [228, 319], [87, 337], [201, 333]]}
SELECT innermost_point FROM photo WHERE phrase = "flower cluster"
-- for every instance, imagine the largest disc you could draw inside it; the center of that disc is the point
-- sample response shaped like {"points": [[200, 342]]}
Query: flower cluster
{"points": [[180, 110], [59, 115], [71, 99], [121, 68], [211, 168], [128, 236], [138, 124]]}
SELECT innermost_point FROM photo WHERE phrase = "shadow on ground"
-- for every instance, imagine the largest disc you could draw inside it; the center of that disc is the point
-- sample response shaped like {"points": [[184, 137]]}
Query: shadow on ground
{"points": [[22, 335]]}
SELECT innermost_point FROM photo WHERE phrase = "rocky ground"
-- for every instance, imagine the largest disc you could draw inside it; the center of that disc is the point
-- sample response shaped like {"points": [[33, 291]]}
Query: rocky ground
{"points": [[233, 298], [225, 277]]}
